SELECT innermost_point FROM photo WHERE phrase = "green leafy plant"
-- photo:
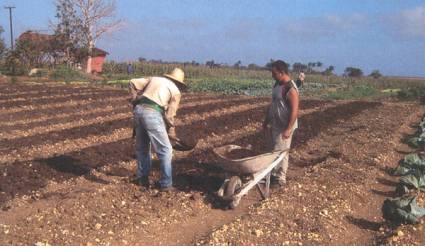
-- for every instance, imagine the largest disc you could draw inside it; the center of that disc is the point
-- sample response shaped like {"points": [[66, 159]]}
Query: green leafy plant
{"points": [[413, 93], [232, 86], [409, 164], [419, 140], [402, 210], [356, 92], [66, 74], [415, 179]]}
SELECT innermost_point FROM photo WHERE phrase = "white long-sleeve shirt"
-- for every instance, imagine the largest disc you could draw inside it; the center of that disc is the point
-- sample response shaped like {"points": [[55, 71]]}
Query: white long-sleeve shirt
{"points": [[160, 90]]}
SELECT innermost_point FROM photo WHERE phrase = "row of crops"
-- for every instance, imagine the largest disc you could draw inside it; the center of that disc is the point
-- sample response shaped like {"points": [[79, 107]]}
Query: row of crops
{"points": [[315, 86], [404, 209]]}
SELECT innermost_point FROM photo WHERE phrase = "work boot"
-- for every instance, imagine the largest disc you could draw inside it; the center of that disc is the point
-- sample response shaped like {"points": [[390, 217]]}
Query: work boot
{"points": [[167, 189], [164, 188], [141, 181]]}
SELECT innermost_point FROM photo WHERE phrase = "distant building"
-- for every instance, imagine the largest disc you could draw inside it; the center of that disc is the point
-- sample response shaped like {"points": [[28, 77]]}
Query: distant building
{"points": [[97, 60], [45, 43], [33, 36]]}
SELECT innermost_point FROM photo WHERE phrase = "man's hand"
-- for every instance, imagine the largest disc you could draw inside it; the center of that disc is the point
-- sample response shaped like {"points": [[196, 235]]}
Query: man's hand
{"points": [[286, 134]]}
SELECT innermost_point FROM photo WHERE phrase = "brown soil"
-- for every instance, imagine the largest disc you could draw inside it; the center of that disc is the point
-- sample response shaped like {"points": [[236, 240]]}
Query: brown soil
{"points": [[239, 154], [69, 186]]}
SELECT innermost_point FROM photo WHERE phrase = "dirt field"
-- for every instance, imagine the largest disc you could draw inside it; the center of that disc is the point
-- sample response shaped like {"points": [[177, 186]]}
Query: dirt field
{"points": [[67, 155]]}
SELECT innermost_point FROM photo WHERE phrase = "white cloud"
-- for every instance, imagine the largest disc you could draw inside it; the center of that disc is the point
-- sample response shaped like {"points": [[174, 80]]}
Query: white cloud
{"points": [[407, 24], [320, 27], [245, 30]]}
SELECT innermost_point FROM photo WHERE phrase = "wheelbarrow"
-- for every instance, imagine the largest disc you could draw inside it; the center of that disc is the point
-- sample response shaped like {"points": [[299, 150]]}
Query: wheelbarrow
{"points": [[241, 175]]}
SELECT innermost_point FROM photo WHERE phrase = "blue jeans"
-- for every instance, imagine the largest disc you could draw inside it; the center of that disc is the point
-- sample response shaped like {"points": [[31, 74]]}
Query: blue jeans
{"points": [[151, 130]]}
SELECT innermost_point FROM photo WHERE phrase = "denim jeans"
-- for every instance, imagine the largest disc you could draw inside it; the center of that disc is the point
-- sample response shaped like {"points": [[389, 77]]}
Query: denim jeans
{"points": [[151, 130]]}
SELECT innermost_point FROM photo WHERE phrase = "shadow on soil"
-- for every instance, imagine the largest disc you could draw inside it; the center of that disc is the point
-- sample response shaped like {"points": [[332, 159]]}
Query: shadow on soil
{"points": [[95, 128], [312, 124], [387, 182], [384, 193], [62, 99], [24, 177], [364, 224]]}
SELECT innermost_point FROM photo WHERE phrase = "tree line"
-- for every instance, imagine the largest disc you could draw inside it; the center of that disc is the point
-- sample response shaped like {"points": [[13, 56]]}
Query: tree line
{"points": [[79, 24]]}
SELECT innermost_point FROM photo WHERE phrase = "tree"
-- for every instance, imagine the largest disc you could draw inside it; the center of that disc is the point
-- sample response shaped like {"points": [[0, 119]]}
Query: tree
{"points": [[94, 21], [319, 64], [329, 71], [299, 67], [253, 66], [67, 32], [310, 67], [353, 72], [3, 49], [33, 49], [375, 74], [13, 63], [269, 64], [211, 64], [194, 63], [237, 64]]}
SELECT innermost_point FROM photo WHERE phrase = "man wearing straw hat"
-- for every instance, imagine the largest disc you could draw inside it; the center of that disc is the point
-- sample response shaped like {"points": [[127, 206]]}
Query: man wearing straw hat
{"points": [[155, 101]]}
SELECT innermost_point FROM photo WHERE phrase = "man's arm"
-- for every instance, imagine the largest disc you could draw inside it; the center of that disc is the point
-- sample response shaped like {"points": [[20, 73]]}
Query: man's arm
{"points": [[294, 102], [171, 112], [136, 86], [133, 92]]}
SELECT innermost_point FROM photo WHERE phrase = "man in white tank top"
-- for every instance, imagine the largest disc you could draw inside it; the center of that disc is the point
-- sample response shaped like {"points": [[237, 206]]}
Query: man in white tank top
{"points": [[282, 117]]}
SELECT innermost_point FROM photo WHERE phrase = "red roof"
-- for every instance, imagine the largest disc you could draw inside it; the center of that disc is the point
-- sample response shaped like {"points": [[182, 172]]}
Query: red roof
{"points": [[34, 36], [99, 52]]}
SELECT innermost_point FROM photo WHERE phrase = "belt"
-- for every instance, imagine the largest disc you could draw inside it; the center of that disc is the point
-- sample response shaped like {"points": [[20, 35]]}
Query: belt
{"points": [[151, 104]]}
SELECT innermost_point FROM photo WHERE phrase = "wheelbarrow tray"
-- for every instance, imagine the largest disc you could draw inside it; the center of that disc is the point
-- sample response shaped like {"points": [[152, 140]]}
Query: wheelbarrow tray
{"points": [[247, 165]]}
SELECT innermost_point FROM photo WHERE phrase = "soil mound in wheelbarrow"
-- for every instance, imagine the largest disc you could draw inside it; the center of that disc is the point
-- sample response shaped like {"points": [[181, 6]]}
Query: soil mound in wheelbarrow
{"points": [[182, 145], [239, 154]]}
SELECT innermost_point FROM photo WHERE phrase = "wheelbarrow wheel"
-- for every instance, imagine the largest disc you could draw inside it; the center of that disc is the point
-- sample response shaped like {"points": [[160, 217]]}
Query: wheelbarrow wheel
{"points": [[233, 185]]}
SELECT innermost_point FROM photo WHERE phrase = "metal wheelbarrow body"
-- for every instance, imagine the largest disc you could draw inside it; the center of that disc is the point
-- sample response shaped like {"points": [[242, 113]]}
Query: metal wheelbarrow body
{"points": [[256, 169]]}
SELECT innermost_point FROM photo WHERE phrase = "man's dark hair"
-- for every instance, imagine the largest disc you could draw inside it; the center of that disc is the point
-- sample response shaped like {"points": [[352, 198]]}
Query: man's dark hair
{"points": [[280, 66]]}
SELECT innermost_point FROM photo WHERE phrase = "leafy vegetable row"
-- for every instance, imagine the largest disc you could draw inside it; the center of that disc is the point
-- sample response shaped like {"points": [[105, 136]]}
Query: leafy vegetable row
{"points": [[403, 209]]}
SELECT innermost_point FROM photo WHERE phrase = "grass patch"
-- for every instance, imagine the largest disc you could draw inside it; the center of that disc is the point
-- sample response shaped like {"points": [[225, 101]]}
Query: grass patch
{"points": [[66, 74], [416, 93], [356, 92], [391, 91]]}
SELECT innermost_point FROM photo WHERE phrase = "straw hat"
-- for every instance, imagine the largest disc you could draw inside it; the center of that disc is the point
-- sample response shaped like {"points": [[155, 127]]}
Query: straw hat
{"points": [[177, 75]]}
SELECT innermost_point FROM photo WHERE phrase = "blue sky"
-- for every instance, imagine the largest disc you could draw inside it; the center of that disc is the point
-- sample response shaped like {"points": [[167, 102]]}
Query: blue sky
{"points": [[388, 35]]}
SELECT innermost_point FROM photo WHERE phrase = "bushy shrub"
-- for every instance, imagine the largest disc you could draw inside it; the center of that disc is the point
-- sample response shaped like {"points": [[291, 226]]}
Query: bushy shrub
{"points": [[13, 64], [416, 93], [66, 74]]}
